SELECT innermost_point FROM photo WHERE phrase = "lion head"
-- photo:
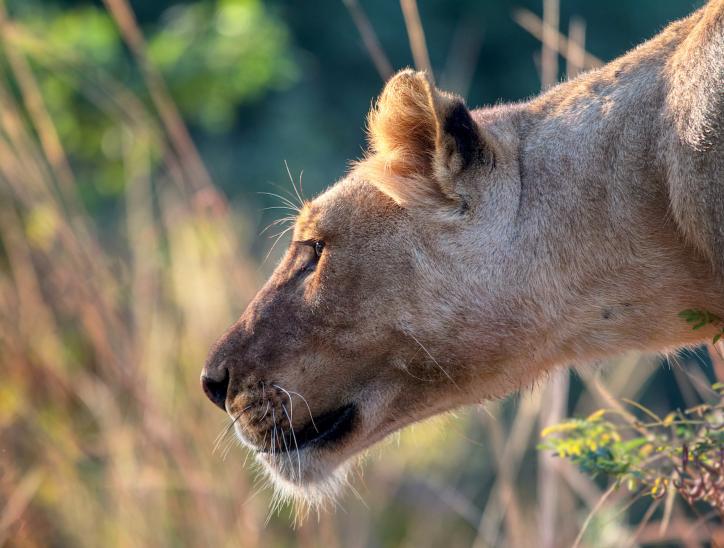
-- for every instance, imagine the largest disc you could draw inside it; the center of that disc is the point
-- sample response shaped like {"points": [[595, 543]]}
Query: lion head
{"points": [[370, 321], [435, 274]]}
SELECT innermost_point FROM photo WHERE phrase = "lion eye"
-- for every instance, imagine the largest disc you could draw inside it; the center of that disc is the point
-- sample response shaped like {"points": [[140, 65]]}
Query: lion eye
{"points": [[318, 248]]}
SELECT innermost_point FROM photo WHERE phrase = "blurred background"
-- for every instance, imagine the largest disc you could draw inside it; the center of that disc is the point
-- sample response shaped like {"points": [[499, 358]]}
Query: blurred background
{"points": [[137, 140]]}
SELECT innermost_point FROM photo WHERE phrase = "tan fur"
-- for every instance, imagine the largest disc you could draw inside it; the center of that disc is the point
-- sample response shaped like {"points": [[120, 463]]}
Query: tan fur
{"points": [[470, 252], [408, 143]]}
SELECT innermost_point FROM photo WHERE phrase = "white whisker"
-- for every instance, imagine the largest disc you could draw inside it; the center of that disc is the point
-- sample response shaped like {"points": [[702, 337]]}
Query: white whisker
{"points": [[299, 197], [434, 360], [279, 207], [294, 437], [220, 438], [284, 200], [268, 404], [273, 437], [305, 403], [291, 405], [278, 237], [288, 219], [355, 492], [406, 370], [286, 447]]}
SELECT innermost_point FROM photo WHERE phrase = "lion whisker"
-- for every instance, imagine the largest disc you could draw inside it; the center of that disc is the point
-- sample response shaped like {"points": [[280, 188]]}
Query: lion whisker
{"points": [[227, 449], [268, 404], [278, 237], [305, 403], [434, 360], [284, 200], [227, 429], [291, 405], [406, 370], [279, 234], [284, 441], [301, 187], [294, 437], [355, 492], [261, 484], [291, 198], [278, 207], [289, 457], [246, 458], [219, 437], [272, 447], [288, 219], [291, 180]]}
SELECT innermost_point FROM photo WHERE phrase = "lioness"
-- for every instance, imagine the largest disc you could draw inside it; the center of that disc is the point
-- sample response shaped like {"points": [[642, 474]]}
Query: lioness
{"points": [[471, 251]]}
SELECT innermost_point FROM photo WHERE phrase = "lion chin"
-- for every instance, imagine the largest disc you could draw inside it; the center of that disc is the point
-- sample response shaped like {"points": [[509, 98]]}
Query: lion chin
{"points": [[309, 478], [304, 479]]}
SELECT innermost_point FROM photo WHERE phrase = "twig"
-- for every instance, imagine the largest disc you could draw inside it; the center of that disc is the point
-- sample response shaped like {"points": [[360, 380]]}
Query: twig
{"points": [[416, 34], [554, 407], [645, 520], [593, 512], [534, 25], [369, 39], [170, 116], [549, 52], [47, 133], [575, 52], [508, 455], [581, 485], [19, 501], [668, 508], [463, 55]]}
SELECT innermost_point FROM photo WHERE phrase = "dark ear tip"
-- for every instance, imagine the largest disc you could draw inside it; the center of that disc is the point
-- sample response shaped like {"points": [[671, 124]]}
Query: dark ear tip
{"points": [[460, 125]]}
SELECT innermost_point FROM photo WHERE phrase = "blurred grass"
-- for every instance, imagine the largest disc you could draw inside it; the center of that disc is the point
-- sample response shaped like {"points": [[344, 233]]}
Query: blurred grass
{"points": [[105, 437]]}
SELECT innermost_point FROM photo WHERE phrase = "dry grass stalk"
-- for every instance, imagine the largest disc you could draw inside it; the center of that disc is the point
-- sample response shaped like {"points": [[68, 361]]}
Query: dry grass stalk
{"points": [[416, 34], [370, 40], [535, 26]]}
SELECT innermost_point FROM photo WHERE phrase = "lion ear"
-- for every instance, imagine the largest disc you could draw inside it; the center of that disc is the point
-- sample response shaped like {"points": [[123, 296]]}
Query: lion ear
{"points": [[421, 141]]}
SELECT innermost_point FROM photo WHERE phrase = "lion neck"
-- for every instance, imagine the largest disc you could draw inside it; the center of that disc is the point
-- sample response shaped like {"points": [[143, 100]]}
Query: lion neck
{"points": [[596, 262]]}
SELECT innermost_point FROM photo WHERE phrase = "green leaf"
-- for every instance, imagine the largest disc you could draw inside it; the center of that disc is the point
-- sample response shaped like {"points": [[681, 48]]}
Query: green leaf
{"points": [[633, 444]]}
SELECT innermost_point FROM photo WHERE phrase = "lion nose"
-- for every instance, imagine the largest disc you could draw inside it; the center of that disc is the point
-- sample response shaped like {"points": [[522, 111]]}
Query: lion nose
{"points": [[215, 384]]}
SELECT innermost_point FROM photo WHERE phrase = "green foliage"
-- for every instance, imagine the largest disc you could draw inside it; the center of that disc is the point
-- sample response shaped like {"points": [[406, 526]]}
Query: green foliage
{"points": [[218, 55], [683, 451], [213, 56], [701, 318]]}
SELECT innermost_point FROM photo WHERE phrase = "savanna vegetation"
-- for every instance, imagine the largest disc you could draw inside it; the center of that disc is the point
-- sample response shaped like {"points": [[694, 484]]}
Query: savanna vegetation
{"points": [[140, 143]]}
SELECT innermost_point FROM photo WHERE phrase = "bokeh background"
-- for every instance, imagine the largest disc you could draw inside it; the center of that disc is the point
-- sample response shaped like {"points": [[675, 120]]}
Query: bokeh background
{"points": [[137, 140]]}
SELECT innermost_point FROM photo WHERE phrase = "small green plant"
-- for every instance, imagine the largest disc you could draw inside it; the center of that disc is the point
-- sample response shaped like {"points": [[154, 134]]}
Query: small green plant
{"points": [[682, 451], [701, 318]]}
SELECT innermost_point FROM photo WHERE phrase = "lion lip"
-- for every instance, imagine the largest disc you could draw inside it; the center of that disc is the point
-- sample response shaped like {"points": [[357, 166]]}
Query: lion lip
{"points": [[326, 428]]}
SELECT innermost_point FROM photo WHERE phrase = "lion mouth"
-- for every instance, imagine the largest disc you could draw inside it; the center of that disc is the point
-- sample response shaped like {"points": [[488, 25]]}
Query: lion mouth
{"points": [[324, 429]]}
